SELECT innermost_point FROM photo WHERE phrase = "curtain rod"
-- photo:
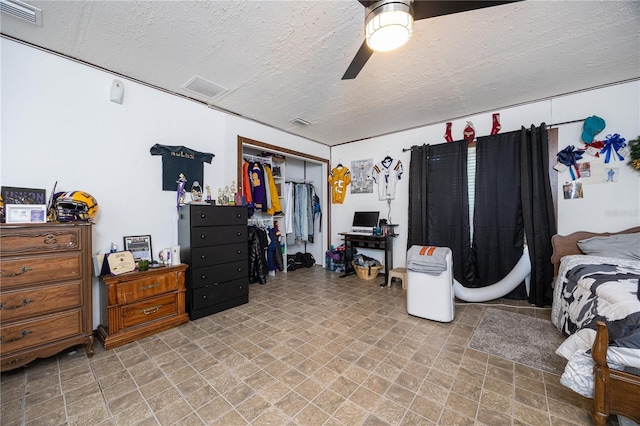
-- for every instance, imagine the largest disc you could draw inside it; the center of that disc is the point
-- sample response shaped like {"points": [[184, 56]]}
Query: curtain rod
{"points": [[548, 125]]}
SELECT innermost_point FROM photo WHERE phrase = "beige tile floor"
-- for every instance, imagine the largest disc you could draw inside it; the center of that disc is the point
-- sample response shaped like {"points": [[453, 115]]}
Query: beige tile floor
{"points": [[309, 348]]}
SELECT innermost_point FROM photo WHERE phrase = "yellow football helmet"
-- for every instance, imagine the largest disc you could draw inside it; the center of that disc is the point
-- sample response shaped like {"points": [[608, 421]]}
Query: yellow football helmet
{"points": [[75, 206]]}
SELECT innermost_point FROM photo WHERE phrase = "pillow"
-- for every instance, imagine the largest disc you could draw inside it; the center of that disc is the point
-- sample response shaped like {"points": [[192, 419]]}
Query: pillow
{"points": [[623, 246]]}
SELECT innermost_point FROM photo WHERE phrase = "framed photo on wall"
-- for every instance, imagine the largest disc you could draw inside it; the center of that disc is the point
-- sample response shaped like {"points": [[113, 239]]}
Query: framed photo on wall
{"points": [[140, 246]]}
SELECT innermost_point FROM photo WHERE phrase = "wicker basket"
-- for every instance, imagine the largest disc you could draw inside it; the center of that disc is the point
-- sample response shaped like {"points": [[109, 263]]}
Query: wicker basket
{"points": [[363, 272]]}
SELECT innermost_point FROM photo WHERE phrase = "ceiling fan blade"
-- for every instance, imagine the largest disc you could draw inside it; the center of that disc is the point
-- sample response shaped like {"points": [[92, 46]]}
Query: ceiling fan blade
{"points": [[429, 9], [361, 58]]}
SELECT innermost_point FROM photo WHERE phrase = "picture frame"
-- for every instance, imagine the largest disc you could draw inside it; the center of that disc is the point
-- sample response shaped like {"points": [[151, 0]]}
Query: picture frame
{"points": [[27, 196], [25, 213], [140, 246]]}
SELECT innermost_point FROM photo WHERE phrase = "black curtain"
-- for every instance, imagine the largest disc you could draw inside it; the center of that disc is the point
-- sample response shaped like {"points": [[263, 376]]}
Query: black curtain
{"points": [[498, 229], [438, 203], [537, 211]]}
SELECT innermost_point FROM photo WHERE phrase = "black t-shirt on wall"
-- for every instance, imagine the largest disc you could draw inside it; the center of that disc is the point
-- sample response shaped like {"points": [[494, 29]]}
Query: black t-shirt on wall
{"points": [[180, 159]]}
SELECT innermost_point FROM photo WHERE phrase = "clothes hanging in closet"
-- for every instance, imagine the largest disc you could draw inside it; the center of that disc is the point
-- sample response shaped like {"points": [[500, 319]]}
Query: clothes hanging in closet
{"points": [[303, 216], [258, 243]]}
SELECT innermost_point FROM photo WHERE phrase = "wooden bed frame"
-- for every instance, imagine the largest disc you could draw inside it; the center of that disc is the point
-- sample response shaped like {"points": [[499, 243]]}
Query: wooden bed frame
{"points": [[615, 392]]}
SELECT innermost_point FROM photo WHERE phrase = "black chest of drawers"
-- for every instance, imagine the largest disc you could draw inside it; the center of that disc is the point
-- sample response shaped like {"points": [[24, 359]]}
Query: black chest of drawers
{"points": [[213, 242]]}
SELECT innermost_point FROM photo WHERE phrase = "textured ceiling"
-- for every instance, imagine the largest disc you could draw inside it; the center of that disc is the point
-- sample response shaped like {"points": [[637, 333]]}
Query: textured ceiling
{"points": [[285, 59]]}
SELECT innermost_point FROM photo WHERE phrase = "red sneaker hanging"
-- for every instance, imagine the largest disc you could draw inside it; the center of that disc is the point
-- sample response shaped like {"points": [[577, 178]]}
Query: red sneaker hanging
{"points": [[447, 133], [496, 124]]}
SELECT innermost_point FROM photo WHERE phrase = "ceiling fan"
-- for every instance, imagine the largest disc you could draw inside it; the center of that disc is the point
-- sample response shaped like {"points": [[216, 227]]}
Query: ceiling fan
{"points": [[408, 10]]}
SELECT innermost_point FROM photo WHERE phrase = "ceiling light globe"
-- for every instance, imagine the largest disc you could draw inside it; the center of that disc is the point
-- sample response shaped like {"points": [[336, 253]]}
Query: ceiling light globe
{"points": [[389, 26]]}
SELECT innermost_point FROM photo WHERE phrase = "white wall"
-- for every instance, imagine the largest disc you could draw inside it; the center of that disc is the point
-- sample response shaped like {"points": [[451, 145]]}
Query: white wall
{"points": [[59, 125], [605, 207]]}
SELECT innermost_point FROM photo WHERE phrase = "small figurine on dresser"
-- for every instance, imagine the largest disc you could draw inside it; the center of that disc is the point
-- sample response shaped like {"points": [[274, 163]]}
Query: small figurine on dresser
{"points": [[196, 192], [182, 180]]}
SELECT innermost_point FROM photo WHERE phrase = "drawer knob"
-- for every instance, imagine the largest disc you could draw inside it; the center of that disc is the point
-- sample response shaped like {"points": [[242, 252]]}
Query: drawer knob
{"points": [[22, 335], [151, 310], [148, 287], [50, 239], [203, 277], [240, 269], [202, 237], [25, 301], [204, 296], [238, 233], [238, 215], [238, 251], [203, 256], [203, 216], [21, 271]]}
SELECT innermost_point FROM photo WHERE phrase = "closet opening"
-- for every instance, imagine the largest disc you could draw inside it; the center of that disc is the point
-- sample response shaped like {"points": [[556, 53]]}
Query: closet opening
{"points": [[291, 169]]}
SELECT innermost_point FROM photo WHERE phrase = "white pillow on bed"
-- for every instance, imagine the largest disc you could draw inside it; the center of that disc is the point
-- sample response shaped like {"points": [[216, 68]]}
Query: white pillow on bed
{"points": [[623, 246]]}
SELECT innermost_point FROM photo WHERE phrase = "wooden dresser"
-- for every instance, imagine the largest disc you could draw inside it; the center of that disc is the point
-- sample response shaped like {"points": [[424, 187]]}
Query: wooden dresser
{"points": [[45, 290], [213, 241], [137, 304]]}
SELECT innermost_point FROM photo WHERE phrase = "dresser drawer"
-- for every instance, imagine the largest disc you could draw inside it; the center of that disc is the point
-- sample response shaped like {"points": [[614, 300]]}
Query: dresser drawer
{"points": [[219, 273], [205, 256], [45, 329], [36, 269], [29, 241], [215, 293], [215, 216], [31, 301], [149, 310], [215, 235], [139, 289]]}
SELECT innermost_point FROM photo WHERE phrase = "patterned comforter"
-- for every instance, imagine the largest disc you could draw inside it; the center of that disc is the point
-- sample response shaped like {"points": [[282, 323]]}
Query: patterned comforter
{"points": [[590, 289]]}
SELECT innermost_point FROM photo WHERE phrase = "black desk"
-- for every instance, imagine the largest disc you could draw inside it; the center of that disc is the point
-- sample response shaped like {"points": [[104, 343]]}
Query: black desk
{"points": [[376, 242]]}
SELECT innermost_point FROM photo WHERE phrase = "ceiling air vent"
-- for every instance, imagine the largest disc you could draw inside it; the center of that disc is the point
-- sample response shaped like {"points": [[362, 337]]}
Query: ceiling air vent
{"points": [[22, 10], [203, 87], [300, 121]]}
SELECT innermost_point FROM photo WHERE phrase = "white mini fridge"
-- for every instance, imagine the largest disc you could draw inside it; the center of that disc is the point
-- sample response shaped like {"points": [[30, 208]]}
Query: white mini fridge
{"points": [[430, 296]]}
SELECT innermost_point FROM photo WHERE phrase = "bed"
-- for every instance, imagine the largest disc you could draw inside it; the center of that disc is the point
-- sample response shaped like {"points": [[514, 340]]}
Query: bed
{"points": [[596, 304]]}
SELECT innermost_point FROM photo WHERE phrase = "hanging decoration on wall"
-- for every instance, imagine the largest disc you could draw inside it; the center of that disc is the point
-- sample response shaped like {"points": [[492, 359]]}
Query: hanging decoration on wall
{"points": [[386, 174], [361, 180], [469, 133], [569, 157], [180, 159], [591, 127], [613, 143], [447, 133], [495, 127], [572, 190], [634, 153], [339, 179]]}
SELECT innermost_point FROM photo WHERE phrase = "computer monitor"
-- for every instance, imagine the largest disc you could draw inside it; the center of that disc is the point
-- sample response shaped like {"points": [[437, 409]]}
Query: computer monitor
{"points": [[365, 221]]}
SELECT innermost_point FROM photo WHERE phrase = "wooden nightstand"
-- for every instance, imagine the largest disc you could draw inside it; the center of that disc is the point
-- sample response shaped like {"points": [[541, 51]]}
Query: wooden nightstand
{"points": [[138, 304]]}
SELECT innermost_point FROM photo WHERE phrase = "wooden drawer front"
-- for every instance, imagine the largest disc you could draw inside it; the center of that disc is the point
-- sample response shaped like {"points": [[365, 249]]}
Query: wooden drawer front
{"points": [[205, 256], [219, 273], [139, 289], [216, 235], [25, 241], [215, 216], [39, 300], [26, 334], [212, 294], [35, 269], [149, 310]]}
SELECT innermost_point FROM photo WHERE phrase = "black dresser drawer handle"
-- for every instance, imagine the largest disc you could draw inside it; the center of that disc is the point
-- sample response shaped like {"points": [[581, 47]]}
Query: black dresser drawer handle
{"points": [[202, 237], [240, 269], [238, 251], [203, 277], [203, 216], [204, 256], [238, 233], [238, 215]]}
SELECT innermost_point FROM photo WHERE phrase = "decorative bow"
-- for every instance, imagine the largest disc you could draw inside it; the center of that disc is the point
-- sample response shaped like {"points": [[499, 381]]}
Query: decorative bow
{"points": [[613, 143], [569, 157]]}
